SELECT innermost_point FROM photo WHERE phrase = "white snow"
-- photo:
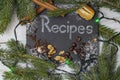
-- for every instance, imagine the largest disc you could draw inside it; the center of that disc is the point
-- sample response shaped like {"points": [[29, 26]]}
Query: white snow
{"points": [[2, 70]]}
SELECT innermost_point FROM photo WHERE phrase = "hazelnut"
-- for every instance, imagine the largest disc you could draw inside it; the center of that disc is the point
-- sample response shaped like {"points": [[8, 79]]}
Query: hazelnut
{"points": [[78, 50], [71, 49], [78, 39], [50, 46], [74, 44], [61, 52], [67, 54], [70, 58], [57, 58], [95, 40]]}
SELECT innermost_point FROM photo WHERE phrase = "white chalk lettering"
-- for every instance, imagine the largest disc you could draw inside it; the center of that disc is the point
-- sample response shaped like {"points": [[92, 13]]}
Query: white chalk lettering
{"points": [[89, 29], [55, 28], [73, 29], [68, 28], [81, 29], [45, 24], [64, 28]]}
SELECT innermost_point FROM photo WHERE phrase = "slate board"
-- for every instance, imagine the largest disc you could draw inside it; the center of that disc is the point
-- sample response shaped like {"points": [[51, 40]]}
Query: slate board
{"points": [[63, 31]]}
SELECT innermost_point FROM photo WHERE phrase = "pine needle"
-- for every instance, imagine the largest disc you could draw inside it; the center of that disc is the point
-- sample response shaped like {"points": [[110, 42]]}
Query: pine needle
{"points": [[107, 33], [6, 11], [14, 55], [106, 68], [25, 9]]}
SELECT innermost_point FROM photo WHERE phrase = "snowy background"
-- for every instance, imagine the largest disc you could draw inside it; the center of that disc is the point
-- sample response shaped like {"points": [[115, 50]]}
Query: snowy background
{"points": [[9, 33]]}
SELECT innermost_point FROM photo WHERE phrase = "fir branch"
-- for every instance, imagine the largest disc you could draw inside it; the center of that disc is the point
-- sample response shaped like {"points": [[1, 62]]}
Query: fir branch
{"points": [[112, 4], [66, 1], [25, 9], [55, 77], [106, 68], [73, 1], [40, 68], [111, 60], [107, 33], [6, 11], [59, 12], [16, 47], [102, 66], [117, 73], [13, 55]]}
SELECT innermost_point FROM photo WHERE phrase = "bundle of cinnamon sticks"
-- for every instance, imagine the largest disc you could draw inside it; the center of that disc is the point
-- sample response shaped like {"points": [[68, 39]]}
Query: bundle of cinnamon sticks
{"points": [[44, 5]]}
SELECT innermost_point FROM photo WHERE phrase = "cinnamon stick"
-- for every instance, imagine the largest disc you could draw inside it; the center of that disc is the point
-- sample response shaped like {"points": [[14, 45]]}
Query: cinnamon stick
{"points": [[50, 1], [40, 9], [45, 5]]}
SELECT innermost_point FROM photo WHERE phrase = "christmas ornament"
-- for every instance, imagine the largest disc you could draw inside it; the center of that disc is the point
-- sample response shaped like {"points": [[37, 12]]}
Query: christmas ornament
{"points": [[86, 12]]}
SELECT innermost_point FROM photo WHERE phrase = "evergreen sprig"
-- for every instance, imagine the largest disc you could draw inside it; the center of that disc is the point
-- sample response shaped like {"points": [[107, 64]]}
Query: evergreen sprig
{"points": [[58, 12], [106, 69], [15, 54], [6, 11], [107, 33], [64, 11], [112, 4], [73, 1], [25, 8]]}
